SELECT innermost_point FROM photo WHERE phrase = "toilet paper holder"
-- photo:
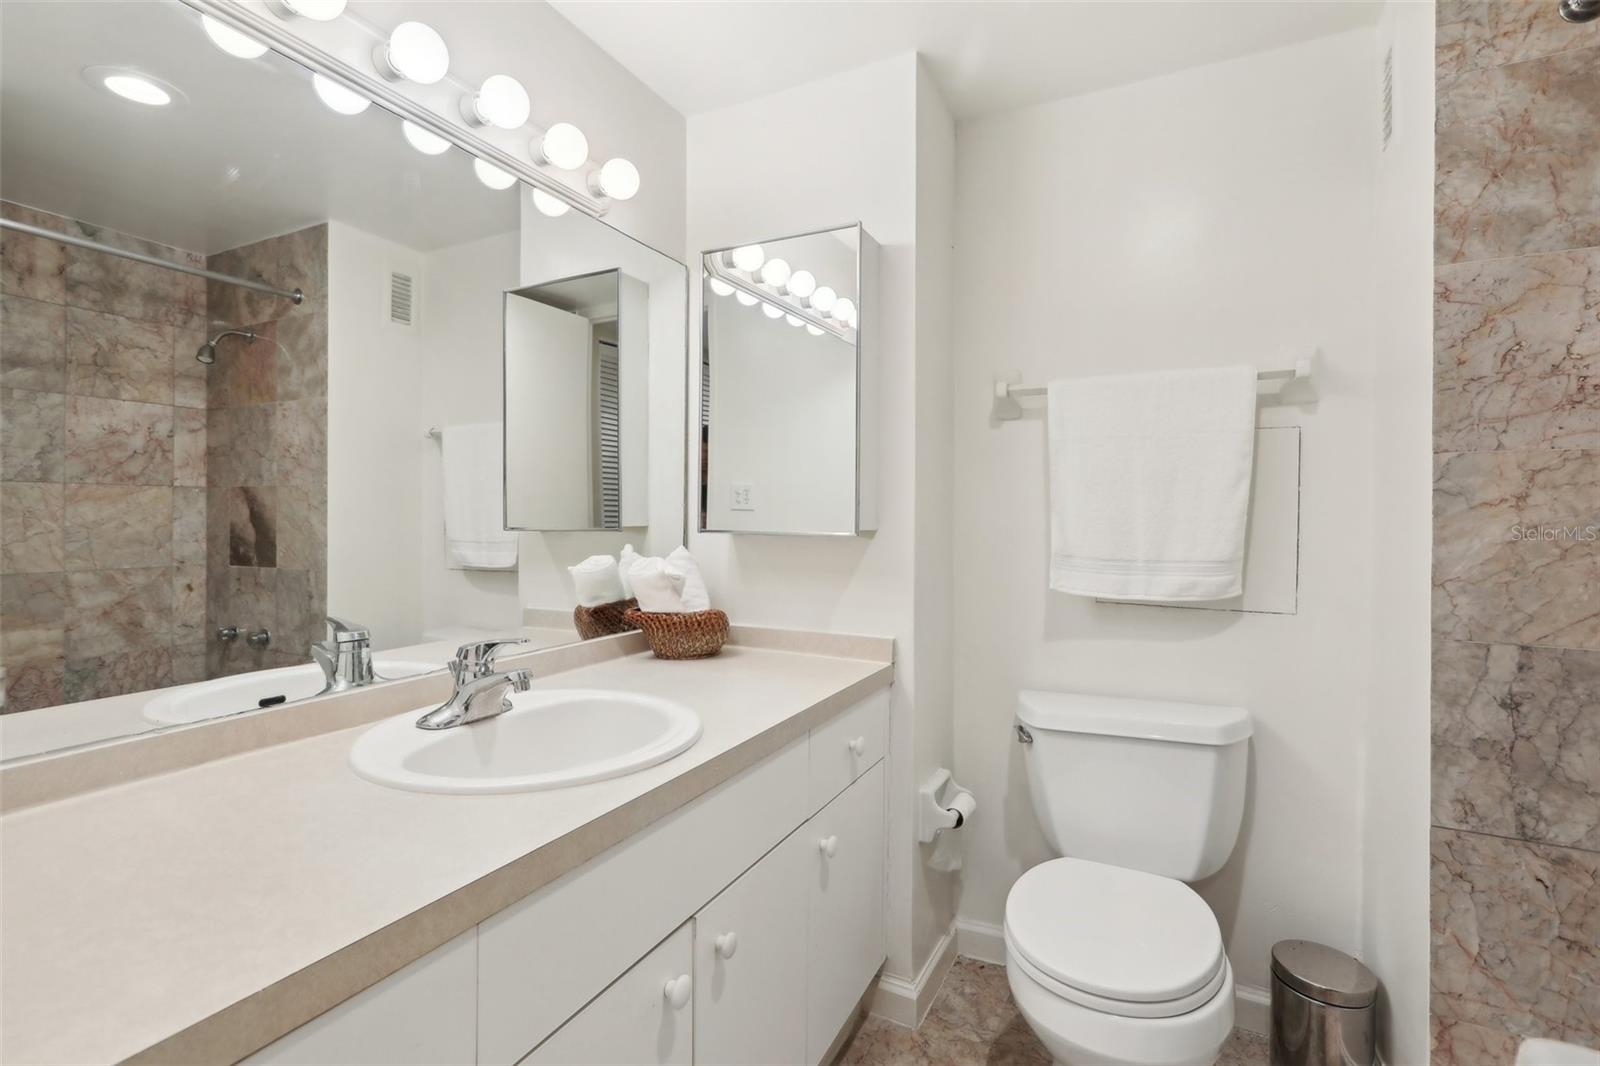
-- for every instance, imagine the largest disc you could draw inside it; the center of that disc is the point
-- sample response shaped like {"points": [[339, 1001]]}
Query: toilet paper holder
{"points": [[940, 805]]}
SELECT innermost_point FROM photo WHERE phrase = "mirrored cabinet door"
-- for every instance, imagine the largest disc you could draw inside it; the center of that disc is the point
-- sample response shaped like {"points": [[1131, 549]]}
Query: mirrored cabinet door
{"points": [[787, 422]]}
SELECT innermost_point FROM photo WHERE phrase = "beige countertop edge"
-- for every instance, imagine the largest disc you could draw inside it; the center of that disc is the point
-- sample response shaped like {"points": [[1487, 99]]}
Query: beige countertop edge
{"points": [[257, 1020]]}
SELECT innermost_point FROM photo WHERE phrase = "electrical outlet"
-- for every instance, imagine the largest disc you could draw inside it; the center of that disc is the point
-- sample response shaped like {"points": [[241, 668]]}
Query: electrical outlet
{"points": [[741, 497]]}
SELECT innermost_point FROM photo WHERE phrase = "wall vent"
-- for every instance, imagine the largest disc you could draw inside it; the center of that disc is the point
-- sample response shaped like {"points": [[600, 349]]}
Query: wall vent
{"points": [[401, 294], [1388, 98]]}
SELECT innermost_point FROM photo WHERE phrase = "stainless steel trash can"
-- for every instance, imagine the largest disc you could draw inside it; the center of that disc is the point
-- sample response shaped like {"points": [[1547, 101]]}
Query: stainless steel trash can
{"points": [[1323, 1003]]}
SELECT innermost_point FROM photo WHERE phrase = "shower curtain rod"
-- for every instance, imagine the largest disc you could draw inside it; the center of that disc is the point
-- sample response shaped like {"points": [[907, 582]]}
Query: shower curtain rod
{"points": [[139, 257]]}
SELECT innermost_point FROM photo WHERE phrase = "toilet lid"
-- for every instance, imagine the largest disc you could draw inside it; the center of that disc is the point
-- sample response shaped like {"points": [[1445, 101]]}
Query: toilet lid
{"points": [[1114, 933]]}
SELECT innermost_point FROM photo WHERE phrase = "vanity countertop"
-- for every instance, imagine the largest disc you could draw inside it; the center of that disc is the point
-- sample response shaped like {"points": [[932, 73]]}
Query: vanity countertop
{"points": [[199, 914]]}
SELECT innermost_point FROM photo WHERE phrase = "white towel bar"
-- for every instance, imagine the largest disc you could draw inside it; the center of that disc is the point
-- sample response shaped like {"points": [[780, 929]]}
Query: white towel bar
{"points": [[1007, 393]]}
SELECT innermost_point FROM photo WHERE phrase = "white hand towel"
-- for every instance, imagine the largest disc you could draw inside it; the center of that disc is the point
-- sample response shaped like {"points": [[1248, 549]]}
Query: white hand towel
{"points": [[625, 560], [1150, 483], [596, 581], [655, 587], [475, 531], [695, 595]]}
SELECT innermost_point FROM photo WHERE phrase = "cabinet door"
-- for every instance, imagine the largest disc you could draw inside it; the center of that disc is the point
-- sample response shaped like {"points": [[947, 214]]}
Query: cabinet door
{"points": [[750, 963], [844, 930], [646, 1016]]}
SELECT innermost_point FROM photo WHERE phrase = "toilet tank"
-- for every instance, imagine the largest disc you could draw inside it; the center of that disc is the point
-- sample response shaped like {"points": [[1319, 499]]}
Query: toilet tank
{"points": [[1143, 784]]}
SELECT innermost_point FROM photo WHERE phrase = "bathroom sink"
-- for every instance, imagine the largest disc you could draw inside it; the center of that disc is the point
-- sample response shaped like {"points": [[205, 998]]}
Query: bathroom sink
{"points": [[551, 738], [262, 688]]}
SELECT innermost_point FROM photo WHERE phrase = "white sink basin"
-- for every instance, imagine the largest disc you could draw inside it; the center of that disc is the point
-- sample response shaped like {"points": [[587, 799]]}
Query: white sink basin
{"points": [[263, 688], [551, 738]]}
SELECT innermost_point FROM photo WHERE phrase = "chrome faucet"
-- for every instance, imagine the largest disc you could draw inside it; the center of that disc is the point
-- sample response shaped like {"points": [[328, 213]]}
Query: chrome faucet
{"points": [[345, 657], [480, 691]]}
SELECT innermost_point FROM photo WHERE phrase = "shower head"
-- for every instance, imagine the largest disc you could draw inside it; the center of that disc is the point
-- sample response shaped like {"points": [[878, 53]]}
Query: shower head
{"points": [[1580, 10], [207, 353]]}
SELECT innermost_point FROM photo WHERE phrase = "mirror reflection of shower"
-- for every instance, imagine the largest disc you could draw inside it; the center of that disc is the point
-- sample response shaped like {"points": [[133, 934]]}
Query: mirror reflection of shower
{"points": [[207, 352]]}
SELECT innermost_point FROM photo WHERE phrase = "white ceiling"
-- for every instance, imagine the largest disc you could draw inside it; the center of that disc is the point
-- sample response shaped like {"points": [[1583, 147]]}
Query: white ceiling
{"points": [[704, 54]]}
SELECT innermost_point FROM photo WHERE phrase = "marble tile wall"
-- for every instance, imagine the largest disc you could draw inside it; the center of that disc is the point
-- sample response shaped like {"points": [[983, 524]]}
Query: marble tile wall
{"points": [[266, 454], [1516, 671], [102, 479]]}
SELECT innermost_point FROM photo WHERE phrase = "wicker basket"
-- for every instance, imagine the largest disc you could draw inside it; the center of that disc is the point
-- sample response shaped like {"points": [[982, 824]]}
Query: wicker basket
{"points": [[603, 619], [693, 635]]}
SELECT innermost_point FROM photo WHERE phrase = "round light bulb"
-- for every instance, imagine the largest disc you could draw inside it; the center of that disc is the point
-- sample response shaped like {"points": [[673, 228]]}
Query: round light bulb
{"points": [[813, 330], [316, 10], [720, 287], [823, 299], [563, 145], [139, 90], [414, 51], [771, 311], [775, 272], [749, 258], [231, 40], [492, 175], [337, 97], [549, 205], [793, 321], [618, 179], [802, 284], [423, 141], [500, 101], [845, 311], [745, 298]]}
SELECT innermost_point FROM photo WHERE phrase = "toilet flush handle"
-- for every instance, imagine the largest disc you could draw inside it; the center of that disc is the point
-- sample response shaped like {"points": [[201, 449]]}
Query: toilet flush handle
{"points": [[1023, 736]]}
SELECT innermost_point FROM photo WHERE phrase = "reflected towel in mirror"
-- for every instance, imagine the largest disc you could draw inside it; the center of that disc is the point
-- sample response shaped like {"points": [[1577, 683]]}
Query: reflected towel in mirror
{"points": [[475, 532]]}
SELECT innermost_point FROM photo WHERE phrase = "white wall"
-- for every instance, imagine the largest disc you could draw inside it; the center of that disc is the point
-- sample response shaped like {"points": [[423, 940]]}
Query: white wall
{"points": [[756, 171], [1211, 216], [1395, 871]]}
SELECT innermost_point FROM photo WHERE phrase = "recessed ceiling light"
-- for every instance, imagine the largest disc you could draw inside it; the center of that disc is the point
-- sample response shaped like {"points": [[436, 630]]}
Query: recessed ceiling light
{"points": [[337, 97], [231, 40], [139, 90]]}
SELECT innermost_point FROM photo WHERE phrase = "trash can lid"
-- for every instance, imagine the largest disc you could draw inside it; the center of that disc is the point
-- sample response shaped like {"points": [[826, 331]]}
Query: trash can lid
{"points": [[1324, 974]]}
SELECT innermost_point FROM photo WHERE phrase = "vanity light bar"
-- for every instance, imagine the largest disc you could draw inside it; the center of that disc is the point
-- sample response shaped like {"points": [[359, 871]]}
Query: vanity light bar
{"points": [[714, 267]]}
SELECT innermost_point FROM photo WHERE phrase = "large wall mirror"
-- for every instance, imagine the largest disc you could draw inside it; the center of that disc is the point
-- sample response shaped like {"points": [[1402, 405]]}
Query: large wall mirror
{"points": [[787, 430], [197, 472]]}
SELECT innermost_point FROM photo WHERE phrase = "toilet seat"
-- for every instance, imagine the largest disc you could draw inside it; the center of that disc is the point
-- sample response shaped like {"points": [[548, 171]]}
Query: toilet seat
{"points": [[1114, 940]]}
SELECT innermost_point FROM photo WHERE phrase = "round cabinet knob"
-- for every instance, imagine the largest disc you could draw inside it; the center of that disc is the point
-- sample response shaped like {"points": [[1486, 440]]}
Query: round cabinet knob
{"points": [[727, 945], [677, 990], [829, 846], [858, 745]]}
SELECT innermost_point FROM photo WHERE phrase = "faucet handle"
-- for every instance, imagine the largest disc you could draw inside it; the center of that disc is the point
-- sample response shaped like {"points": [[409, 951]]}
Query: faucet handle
{"points": [[477, 658], [345, 632]]}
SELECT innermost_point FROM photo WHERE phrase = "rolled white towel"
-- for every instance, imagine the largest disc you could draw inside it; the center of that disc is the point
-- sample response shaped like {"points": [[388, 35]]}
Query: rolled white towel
{"points": [[696, 597], [625, 560], [655, 587], [596, 581]]}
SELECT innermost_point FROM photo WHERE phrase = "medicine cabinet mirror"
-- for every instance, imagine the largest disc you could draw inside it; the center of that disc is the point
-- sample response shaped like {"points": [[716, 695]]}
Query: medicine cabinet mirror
{"points": [[788, 416]]}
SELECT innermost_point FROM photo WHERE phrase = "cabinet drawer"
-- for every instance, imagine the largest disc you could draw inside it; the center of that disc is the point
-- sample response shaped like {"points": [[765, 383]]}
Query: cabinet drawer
{"points": [[843, 748], [845, 937], [638, 1019], [543, 958]]}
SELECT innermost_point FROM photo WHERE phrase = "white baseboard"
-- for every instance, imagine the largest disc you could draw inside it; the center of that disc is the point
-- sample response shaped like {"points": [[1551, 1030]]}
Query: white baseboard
{"points": [[906, 1002], [1252, 1006]]}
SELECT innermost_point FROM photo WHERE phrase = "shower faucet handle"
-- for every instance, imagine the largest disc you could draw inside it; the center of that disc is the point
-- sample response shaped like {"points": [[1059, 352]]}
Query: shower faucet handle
{"points": [[259, 639], [227, 634]]}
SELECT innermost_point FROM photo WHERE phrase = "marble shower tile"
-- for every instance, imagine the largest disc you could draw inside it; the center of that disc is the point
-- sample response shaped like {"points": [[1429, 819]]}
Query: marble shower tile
{"points": [[33, 639], [302, 528], [138, 670], [118, 442], [189, 375], [1517, 353], [303, 356], [300, 612], [252, 515], [245, 372], [189, 526], [31, 266], [1516, 559], [115, 611], [1516, 934], [1517, 165], [1488, 33], [244, 597], [32, 536], [188, 447], [118, 358], [1462, 1044], [189, 606], [238, 446], [188, 663], [33, 435], [300, 443], [1516, 742], [33, 345], [116, 526], [100, 282]]}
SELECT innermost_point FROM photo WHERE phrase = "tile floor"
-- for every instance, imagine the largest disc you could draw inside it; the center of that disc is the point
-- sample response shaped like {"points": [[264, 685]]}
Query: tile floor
{"points": [[973, 1023]]}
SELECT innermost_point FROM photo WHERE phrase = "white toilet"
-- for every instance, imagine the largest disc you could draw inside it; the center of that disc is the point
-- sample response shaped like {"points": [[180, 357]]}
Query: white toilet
{"points": [[1112, 959]]}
